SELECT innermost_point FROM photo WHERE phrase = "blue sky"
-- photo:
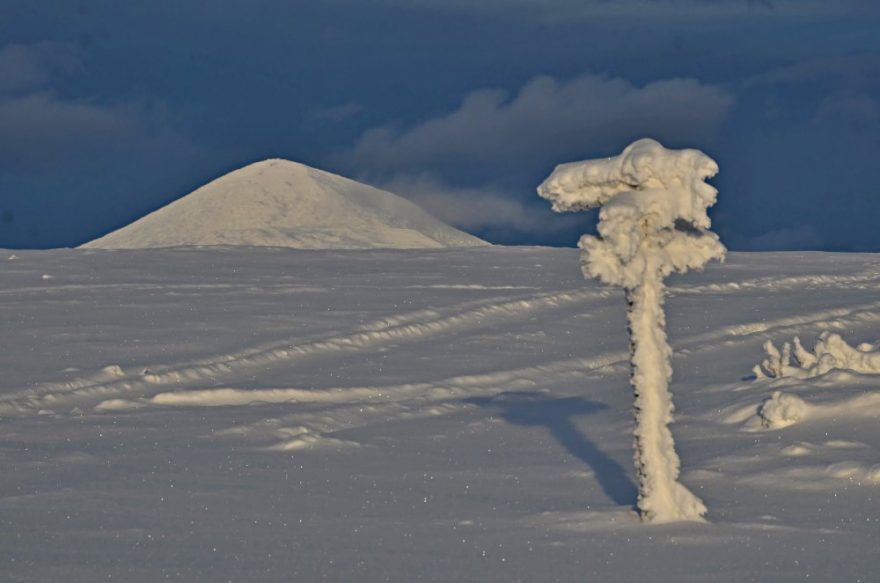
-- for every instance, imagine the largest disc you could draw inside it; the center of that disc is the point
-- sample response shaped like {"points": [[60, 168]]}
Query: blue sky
{"points": [[110, 109]]}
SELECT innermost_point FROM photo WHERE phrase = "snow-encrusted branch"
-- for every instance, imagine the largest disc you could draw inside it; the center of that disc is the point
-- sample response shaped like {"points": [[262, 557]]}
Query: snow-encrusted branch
{"points": [[830, 352], [653, 215], [653, 222]]}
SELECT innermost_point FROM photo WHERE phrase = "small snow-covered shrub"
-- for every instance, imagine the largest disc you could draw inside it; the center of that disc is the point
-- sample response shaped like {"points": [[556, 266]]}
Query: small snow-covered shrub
{"points": [[831, 352], [782, 410]]}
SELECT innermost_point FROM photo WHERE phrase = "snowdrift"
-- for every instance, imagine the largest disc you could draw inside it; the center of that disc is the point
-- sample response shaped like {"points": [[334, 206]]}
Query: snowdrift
{"points": [[279, 203]]}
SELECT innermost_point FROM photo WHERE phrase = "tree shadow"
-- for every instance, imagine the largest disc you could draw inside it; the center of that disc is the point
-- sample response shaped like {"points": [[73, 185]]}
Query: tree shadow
{"points": [[535, 409]]}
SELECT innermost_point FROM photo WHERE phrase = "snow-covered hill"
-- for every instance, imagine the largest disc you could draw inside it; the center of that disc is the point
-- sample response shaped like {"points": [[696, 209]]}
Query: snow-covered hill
{"points": [[278, 203], [269, 415]]}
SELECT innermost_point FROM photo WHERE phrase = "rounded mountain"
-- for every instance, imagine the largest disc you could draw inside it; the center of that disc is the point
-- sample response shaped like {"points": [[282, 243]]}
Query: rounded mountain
{"points": [[279, 203]]}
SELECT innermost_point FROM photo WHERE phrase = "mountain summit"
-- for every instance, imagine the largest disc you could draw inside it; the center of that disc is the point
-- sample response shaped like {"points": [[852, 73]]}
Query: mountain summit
{"points": [[279, 203]]}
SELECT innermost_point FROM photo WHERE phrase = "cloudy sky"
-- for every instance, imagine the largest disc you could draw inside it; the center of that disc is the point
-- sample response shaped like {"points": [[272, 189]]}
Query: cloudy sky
{"points": [[109, 109]]}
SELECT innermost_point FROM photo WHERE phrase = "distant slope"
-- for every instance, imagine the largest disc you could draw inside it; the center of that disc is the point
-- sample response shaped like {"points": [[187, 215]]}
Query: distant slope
{"points": [[279, 203]]}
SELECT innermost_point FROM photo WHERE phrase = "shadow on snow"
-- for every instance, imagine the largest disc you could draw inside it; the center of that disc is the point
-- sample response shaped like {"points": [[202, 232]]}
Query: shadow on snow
{"points": [[535, 409]]}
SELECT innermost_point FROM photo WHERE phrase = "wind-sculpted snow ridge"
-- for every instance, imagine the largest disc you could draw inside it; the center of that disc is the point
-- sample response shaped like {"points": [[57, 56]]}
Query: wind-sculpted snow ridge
{"points": [[279, 203], [113, 381], [110, 382], [818, 478], [831, 352], [653, 222], [359, 406], [514, 379], [868, 279]]}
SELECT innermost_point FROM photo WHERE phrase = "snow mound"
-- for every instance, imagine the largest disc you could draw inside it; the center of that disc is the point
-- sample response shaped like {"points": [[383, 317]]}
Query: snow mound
{"points": [[301, 438], [782, 410], [279, 203]]}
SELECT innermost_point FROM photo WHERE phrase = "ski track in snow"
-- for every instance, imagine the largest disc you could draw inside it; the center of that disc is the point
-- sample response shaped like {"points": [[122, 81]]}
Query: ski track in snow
{"points": [[106, 387], [114, 389], [112, 380], [867, 279], [163, 287], [421, 395]]}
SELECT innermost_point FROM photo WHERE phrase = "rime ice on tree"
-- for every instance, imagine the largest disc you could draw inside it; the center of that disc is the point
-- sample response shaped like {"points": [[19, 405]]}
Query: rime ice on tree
{"points": [[653, 222]]}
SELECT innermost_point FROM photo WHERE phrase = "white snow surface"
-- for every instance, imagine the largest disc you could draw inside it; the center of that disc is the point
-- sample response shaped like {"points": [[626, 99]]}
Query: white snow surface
{"points": [[264, 414], [279, 203]]}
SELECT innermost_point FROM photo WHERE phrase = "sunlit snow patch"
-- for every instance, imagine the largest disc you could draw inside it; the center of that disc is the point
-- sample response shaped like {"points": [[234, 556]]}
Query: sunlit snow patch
{"points": [[301, 437]]}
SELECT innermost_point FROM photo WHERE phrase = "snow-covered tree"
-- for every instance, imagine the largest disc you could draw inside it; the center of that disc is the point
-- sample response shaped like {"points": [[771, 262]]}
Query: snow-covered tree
{"points": [[831, 352], [652, 222]]}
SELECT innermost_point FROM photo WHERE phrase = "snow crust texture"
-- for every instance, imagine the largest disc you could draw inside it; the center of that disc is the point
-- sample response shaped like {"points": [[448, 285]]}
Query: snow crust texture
{"points": [[279, 203], [652, 222]]}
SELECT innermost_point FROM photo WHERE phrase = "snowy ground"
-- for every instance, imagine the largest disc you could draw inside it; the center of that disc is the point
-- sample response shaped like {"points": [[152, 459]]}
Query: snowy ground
{"points": [[459, 415]]}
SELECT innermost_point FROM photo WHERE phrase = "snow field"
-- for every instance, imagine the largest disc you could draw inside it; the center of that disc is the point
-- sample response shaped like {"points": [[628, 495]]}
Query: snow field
{"points": [[271, 415]]}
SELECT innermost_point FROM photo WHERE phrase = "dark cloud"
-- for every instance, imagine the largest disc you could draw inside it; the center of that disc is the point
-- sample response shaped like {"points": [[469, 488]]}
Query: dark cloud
{"points": [[476, 167], [798, 172], [29, 67], [785, 239], [52, 144], [336, 113], [308, 80], [38, 127], [486, 209], [853, 69], [664, 10], [844, 89], [547, 121]]}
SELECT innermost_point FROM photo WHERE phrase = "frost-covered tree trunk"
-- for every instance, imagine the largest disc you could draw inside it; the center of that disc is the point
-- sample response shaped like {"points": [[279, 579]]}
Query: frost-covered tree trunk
{"points": [[661, 496], [653, 222]]}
